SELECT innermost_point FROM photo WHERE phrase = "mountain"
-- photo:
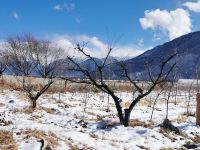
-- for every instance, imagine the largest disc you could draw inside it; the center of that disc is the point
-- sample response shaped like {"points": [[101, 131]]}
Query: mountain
{"points": [[187, 48], [188, 57]]}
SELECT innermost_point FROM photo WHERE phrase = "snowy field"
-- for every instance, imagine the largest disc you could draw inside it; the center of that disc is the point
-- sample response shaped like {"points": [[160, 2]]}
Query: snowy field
{"points": [[78, 121]]}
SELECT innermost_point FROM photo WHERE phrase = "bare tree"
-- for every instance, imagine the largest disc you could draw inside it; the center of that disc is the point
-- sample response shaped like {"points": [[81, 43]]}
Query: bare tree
{"points": [[124, 116], [169, 92], [3, 62], [48, 59], [188, 100], [20, 50], [22, 55], [155, 100]]}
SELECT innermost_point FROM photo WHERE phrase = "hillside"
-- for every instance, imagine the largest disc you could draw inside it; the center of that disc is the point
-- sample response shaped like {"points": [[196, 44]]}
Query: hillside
{"points": [[187, 48]]}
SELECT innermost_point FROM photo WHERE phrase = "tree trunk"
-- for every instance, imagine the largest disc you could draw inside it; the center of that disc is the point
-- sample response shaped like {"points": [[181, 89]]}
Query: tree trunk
{"points": [[23, 82], [34, 104], [2, 83], [108, 108], [126, 117], [119, 109]]}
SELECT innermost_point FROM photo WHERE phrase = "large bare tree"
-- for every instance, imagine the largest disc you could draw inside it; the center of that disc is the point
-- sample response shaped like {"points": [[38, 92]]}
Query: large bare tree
{"points": [[100, 82]]}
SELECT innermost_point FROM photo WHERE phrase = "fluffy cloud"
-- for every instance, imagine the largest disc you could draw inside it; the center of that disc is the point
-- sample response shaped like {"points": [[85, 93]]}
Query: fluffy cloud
{"points": [[174, 23], [193, 6], [15, 15], [95, 47]]}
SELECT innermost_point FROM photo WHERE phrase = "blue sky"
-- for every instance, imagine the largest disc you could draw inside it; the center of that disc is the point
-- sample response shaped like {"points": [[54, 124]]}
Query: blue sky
{"points": [[140, 24]]}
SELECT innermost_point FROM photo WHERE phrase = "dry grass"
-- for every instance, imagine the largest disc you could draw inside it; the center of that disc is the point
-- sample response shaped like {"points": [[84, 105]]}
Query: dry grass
{"points": [[166, 148], [181, 118], [6, 141], [50, 138], [145, 102], [137, 122], [171, 135], [1, 104], [22, 97], [126, 104], [196, 139], [167, 133], [74, 146], [48, 110], [27, 110], [15, 83]]}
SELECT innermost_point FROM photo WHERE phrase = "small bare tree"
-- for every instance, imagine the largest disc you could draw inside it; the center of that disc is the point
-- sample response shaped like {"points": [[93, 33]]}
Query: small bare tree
{"points": [[22, 54], [124, 116], [188, 100]]}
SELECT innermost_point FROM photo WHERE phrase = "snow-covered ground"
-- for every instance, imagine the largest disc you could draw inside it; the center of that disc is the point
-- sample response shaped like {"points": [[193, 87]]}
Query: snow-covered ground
{"points": [[62, 124]]}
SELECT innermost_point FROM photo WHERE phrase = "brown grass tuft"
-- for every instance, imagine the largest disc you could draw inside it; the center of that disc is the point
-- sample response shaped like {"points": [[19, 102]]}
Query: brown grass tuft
{"points": [[137, 122], [1, 104], [196, 139], [6, 141], [182, 118], [50, 138], [166, 148]]}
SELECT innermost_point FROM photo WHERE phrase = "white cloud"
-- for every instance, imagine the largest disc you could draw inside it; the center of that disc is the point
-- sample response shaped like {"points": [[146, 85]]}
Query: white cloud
{"points": [[57, 7], [193, 6], [127, 51], [15, 15], [65, 6], [175, 23], [95, 47]]}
